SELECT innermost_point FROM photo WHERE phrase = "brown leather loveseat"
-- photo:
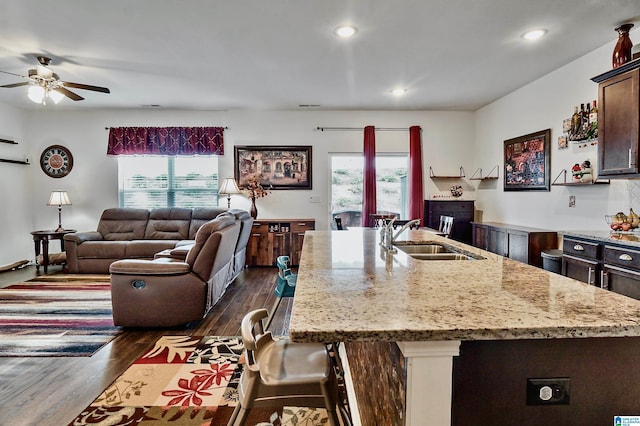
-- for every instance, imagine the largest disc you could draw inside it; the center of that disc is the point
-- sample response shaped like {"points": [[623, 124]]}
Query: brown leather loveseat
{"points": [[127, 233]]}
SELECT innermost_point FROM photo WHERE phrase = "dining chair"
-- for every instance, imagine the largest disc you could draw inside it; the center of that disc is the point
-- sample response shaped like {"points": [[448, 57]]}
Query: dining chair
{"points": [[446, 223]]}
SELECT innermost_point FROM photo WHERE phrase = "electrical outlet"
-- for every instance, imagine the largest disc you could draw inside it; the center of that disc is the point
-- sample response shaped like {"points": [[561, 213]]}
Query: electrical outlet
{"points": [[548, 391]]}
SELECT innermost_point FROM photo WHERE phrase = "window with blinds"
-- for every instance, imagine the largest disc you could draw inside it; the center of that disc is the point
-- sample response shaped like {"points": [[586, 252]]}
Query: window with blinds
{"points": [[168, 181]]}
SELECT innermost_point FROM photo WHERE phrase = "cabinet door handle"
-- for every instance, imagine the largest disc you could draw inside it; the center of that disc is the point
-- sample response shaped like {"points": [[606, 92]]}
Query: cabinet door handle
{"points": [[302, 224], [591, 271], [256, 235], [625, 257], [604, 284], [578, 247]]}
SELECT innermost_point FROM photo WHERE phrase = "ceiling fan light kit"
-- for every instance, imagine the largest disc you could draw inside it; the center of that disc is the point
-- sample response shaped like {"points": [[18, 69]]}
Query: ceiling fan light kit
{"points": [[45, 84]]}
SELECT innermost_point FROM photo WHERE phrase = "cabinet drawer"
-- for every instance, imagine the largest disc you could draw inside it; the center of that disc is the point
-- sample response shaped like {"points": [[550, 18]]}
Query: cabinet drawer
{"points": [[302, 226], [450, 207], [260, 227], [580, 248], [623, 257]]}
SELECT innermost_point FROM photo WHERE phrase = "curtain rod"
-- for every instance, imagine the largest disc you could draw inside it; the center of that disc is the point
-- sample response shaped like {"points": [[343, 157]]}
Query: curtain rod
{"points": [[382, 129], [225, 127]]}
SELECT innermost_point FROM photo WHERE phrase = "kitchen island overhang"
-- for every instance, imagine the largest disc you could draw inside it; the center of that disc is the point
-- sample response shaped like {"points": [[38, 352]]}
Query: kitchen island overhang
{"points": [[350, 289]]}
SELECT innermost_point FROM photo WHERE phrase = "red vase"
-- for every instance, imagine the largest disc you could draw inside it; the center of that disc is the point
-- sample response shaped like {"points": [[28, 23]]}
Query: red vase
{"points": [[622, 51]]}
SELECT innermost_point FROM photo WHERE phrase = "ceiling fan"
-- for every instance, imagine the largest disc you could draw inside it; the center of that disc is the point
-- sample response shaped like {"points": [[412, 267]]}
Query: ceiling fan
{"points": [[45, 83]]}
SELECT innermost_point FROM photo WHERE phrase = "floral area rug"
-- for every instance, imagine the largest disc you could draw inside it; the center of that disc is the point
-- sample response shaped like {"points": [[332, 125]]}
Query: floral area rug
{"points": [[186, 380]]}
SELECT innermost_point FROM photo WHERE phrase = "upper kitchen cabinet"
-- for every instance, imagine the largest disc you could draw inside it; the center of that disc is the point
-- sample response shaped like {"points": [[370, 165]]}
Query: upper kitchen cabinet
{"points": [[619, 121]]}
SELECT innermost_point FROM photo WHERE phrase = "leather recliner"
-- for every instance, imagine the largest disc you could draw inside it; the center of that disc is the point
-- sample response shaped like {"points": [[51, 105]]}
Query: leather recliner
{"points": [[167, 292]]}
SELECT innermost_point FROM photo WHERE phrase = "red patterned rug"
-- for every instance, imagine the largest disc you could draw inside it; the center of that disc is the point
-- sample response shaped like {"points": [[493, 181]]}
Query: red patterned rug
{"points": [[55, 318], [186, 381]]}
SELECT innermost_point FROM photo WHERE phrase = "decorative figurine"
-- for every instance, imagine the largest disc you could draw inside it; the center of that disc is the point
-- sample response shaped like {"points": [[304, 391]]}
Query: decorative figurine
{"points": [[576, 172], [585, 175]]}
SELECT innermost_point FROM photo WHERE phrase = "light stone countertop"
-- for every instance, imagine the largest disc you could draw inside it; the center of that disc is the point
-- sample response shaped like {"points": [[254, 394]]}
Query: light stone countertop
{"points": [[348, 289]]}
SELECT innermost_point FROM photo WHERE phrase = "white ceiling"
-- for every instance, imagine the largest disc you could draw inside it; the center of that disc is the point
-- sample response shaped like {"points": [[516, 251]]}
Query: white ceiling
{"points": [[279, 54]]}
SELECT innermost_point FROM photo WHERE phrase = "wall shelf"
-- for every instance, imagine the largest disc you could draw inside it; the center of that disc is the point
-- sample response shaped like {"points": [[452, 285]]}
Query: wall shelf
{"points": [[434, 176], [4, 160], [8, 141], [564, 182], [488, 177]]}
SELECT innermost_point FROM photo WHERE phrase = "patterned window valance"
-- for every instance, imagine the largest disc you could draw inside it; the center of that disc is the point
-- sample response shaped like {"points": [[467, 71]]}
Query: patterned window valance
{"points": [[166, 141]]}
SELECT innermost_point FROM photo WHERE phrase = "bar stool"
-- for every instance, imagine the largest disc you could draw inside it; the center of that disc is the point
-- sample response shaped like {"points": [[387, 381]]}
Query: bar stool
{"points": [[299, 373], [285, 285]]}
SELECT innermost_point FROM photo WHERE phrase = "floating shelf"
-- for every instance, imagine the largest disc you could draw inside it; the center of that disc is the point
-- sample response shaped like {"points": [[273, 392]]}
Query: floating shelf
{"points": [[564, 182], [8, 141], [434, 176], [489, 177], [4, 160]]}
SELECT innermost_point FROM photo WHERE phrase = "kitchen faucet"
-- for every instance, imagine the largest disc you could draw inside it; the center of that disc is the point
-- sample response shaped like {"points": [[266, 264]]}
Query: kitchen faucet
{"points": [[405, 226]]}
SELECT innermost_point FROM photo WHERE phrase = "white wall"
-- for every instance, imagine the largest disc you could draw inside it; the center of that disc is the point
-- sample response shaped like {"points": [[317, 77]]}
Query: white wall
{"points": [[16, 218], [92, 184], [540, 105]]}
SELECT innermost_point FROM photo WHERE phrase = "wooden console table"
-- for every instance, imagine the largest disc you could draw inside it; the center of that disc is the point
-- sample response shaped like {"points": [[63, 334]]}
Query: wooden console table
{"points": [[271, 238], [41, 240]]}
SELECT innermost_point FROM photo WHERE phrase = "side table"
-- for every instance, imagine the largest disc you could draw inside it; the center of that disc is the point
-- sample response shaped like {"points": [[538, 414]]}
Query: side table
{"points": [[41, 239]]}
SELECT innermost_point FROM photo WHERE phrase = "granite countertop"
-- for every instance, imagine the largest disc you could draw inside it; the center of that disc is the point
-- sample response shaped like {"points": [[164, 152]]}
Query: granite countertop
{"points": [[349, 289], [629, 239]]}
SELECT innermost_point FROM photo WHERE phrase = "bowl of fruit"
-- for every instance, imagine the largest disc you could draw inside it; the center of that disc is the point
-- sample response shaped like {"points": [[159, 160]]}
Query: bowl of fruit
{"points": [[621, 222]]}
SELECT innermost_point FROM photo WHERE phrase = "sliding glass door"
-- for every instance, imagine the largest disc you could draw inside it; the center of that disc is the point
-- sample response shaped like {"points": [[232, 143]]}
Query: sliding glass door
{"points": [[346, 186]]}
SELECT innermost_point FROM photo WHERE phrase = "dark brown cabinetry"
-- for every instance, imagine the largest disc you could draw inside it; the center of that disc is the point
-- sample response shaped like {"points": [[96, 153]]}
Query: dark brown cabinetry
{"points": [[621, 271], [611, 267], [580, 260], [519, 243], [619, 121], [272, 238], [462, 212]]}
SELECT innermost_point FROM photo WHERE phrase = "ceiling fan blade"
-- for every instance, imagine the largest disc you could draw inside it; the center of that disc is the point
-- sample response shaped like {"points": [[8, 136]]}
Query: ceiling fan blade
{"points": [[12, 73], [68, 93], [25, 83], [86, 87]]}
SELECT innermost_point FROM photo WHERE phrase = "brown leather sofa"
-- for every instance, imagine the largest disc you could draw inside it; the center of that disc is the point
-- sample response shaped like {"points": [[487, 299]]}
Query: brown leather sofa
{"points": [[126, 233], [167, 292]]}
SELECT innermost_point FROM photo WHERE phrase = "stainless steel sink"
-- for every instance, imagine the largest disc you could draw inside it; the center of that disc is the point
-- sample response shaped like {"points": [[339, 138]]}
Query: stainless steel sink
{"points": [[440, 256], [432, 250], [423, 248]]}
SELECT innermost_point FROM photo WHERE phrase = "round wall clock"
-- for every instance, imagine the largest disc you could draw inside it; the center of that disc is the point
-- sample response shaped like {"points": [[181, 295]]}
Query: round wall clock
{"points": [[56, 161]]}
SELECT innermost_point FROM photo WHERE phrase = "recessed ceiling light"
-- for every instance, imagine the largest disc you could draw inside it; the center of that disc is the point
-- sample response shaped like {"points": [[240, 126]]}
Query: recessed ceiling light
{"points": [[345, 31], [534, 34], [398, 92]]}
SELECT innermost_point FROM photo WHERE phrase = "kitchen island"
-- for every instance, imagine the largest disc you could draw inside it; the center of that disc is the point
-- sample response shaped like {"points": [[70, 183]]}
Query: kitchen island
{"points": [[350, 289]]}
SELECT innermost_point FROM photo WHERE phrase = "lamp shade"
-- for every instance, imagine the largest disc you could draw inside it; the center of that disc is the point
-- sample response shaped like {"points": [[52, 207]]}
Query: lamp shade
{"points": [[229, 186], [59, 198]]}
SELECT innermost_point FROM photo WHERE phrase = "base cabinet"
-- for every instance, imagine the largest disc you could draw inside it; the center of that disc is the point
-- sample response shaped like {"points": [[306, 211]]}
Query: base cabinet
{"points": [[515, 242], [611, 267], [278, 237]]}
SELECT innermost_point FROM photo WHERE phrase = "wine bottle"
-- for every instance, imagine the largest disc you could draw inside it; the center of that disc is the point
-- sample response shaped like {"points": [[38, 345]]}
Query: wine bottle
{"points": [[575, 123], [593, 117]]}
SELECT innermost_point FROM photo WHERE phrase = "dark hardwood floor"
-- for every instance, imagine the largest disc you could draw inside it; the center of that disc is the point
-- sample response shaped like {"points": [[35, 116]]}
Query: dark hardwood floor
{"points": [[52, 391]]}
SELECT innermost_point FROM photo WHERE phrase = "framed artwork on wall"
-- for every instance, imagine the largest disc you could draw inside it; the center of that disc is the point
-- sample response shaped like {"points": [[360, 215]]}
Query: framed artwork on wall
{"points": [[278, 167], [527, 161]]}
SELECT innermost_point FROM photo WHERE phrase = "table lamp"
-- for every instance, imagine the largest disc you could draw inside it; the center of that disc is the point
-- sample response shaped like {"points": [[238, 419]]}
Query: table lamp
{"points": [[228, 187], [59, 198]]}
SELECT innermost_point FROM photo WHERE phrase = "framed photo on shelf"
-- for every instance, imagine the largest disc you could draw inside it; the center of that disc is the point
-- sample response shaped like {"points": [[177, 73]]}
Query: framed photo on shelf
{"points": [[279, 167], [527, 162]]}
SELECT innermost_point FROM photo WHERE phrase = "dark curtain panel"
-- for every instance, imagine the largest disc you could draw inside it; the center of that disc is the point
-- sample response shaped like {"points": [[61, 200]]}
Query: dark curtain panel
{"points": [[416, 209], [166, 141], [369, 193]]}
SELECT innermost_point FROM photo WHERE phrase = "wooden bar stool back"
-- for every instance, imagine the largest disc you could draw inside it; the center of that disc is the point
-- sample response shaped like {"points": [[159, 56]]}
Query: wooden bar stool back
{"points": [[292, 374], [446, 222]]}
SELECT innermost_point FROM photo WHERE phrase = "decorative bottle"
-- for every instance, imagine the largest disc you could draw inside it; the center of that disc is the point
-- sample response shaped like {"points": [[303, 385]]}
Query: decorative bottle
{"points": [[622, 51]]}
